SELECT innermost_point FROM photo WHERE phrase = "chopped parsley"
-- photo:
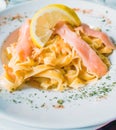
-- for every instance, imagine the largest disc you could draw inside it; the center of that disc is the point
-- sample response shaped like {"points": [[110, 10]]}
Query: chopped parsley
{"points": [[60, 101]]}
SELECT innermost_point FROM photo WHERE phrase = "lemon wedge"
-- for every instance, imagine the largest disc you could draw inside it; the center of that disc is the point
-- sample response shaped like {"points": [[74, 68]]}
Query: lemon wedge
{"points": [[44, 21]]}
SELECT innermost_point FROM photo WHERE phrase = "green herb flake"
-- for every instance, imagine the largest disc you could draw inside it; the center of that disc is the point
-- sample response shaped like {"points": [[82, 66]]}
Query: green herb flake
{"points": [[43, 91], [60, 101], [114, 83], [35, 94], [107, 30], [71, 96], [103, 20], [14, 101], [30, 101], [36, 107], [19, 102], [55, 98], [43, 105], [108, 77], [93, 93], [20, 20], [45, 96]]}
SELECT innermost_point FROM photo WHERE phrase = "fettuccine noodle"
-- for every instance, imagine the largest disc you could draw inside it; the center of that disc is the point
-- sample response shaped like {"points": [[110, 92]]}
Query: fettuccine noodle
{"points": [[56, 66]]}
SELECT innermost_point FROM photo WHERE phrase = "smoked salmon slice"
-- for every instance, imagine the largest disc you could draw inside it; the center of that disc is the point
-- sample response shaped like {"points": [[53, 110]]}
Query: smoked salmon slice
{"points": [[23, 49], [97, 34], [24, 43], [89, 57]]}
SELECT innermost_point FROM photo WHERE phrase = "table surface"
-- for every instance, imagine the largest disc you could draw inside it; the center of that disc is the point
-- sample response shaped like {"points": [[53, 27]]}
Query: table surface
{"points": [[8, 125]]}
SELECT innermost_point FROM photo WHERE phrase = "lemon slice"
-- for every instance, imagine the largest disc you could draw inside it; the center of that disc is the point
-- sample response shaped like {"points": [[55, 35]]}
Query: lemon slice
{"points": [[44, 21]]}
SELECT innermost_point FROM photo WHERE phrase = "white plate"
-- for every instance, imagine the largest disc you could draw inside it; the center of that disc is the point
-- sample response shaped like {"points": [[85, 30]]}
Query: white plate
{"points": [[9, 125], [93, 105]]}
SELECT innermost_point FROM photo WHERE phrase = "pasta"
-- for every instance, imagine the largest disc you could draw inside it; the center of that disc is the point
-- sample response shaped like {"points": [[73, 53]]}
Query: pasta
{"points": [[56, 66]]}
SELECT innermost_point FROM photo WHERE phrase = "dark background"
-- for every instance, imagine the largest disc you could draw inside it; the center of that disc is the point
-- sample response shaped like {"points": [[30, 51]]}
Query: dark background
{"points": [[110, 126]]}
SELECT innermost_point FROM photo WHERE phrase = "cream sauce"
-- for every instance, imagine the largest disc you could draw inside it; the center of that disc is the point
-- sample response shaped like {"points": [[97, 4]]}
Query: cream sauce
{"points": [[13, 37]]}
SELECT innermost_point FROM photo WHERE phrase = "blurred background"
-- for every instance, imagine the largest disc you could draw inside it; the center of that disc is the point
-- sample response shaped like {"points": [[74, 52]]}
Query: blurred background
{"points": [[7, 3]]}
